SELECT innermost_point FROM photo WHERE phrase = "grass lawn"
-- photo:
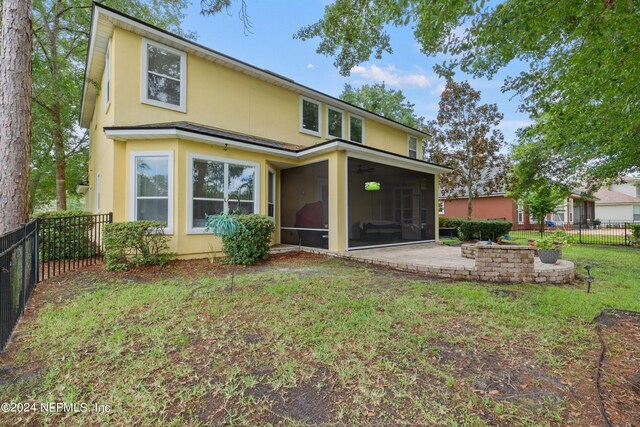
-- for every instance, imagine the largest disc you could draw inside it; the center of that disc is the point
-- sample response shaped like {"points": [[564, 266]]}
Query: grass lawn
{"points": [[306, 339]]}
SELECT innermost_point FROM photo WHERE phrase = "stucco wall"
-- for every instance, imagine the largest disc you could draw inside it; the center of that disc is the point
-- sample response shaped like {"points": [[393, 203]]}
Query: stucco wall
{"points": [[614, 212]]}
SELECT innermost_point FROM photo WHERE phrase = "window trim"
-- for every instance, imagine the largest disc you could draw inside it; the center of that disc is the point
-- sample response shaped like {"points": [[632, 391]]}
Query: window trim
{"points": [[270, 170], [409, 150], [107, 81], [520, 212], [193, 156], [338, 110], [145, 79], [319, 104], [349, 133], [133, 185]]}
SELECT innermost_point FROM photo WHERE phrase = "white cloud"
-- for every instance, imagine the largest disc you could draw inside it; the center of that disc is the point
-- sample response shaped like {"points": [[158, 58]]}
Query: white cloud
{"points": [[515, 124], [391, 76], [310, 65], [437, 91]]}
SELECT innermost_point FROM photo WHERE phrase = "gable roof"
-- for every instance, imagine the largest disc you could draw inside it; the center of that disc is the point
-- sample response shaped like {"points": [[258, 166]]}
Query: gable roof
{"points": [[608, 197], [105, 19]]}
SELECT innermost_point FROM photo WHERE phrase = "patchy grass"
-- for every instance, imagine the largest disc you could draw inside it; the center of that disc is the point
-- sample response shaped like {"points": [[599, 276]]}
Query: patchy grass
{"points": [[310, 340]]}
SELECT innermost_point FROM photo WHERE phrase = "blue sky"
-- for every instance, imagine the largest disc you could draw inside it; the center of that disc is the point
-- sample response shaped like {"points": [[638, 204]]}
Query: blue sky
{"points": [[272, 46]]}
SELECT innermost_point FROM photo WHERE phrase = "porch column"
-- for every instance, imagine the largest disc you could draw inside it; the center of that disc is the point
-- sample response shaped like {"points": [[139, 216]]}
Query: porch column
{"points": [[338, 202]]}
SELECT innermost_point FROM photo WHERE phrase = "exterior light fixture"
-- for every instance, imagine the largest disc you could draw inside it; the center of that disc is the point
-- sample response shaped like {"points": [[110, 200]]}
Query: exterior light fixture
{"points": [[372, 186], [589, 277]]}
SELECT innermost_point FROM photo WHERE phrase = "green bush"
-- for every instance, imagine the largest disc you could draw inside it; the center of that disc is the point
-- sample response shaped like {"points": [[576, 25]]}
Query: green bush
{"points": [[66, 235], [135, 243], [251, 241], [483, 229], [635, 232], [450, 222]]}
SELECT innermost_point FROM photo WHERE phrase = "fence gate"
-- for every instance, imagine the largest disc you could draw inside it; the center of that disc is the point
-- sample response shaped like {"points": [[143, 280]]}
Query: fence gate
{"points": [[41, 249]]}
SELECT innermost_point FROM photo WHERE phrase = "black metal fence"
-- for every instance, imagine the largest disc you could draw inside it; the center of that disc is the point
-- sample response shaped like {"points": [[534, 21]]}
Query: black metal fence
{"points": [[41, 249], [602, 233]]}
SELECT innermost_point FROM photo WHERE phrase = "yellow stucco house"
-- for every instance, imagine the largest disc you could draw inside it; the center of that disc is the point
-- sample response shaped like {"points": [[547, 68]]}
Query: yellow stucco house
{"points": [[179, 130]]}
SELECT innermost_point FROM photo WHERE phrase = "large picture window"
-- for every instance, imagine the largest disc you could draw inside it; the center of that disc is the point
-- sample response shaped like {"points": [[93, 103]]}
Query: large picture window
{"points": [[152, 195], [164, 76], [219, 185], [310, 116]]}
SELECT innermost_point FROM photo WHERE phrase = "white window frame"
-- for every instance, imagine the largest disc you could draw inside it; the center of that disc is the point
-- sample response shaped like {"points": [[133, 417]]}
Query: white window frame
{"points": [[337, 110], [145, 77], [520, 213], [349, 124], [226, 160], [98, 192], [107, 77], [441, 207], [270, 170], [570, 211], [319, 104], [133, 199], [409, 150]]}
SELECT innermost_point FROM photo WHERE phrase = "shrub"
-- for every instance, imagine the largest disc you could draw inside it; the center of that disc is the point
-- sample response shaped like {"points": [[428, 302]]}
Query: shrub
{"points": [[451, 222], [483, 230], [135, 243], [251, 241], [635, 232], [65, 235]]}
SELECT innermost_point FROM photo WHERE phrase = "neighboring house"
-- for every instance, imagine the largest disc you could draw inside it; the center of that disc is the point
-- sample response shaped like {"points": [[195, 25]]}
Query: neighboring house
{"points": [[179, 131], [619, 202], [576, 210]]}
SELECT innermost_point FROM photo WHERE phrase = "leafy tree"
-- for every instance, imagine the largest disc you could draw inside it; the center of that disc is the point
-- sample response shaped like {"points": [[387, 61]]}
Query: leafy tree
{"points": [[15, 112], [389, 103], [466, 138], [584, 64], [542, 200], [61, 32]]}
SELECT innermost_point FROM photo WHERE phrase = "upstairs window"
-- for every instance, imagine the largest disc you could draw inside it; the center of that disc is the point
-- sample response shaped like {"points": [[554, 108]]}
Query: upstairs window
{"points": [[413, 147], [310, 116], [356, 129], [163, 76], [334, 122]]}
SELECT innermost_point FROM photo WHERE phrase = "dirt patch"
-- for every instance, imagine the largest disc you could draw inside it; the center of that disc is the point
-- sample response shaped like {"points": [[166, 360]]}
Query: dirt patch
{"points": [[620, 371]]}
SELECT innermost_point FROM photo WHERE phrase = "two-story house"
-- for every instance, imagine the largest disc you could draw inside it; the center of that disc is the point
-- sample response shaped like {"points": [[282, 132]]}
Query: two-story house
{"points": [[619, 202], [180, 131]]}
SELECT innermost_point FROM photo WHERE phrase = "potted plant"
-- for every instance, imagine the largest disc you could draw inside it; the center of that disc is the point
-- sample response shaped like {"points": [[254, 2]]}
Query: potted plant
{"points": [[550, 246]]}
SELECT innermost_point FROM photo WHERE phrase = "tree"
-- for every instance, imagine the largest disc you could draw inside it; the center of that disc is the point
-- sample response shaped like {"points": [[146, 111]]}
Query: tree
{"points": [[466, 139], [582, 85], [543, 199], [61, 32], [388, 103], [15, 112]]}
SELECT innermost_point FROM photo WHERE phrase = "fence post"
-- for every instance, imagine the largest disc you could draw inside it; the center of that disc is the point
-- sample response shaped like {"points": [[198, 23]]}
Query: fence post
{"points": [[580, 232], [36, 245], [24, 264]]}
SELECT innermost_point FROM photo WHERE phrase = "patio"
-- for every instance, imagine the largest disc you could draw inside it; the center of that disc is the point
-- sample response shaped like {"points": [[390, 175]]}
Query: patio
{"points": [[507, 263]]}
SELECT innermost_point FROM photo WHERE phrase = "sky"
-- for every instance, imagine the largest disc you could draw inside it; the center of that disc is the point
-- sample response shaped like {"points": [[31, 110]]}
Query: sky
{"points": [[271, 45]]}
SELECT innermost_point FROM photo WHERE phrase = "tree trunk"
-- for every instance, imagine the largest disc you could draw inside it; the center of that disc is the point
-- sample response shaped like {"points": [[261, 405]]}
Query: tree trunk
{"points": [[60, 158], [15, 113]]}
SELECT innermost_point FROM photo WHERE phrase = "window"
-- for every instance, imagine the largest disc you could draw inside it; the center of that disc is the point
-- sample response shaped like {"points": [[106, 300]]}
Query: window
{"points": [[521, 213], [356, 129], [636, 213], [441, 207], [152, 195], [560, 216], [309, 116], [271, 196], [413, 147], [570, 211], [98, 192], [218, 185], [107, 77], [163, 76], [334, 122]]}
